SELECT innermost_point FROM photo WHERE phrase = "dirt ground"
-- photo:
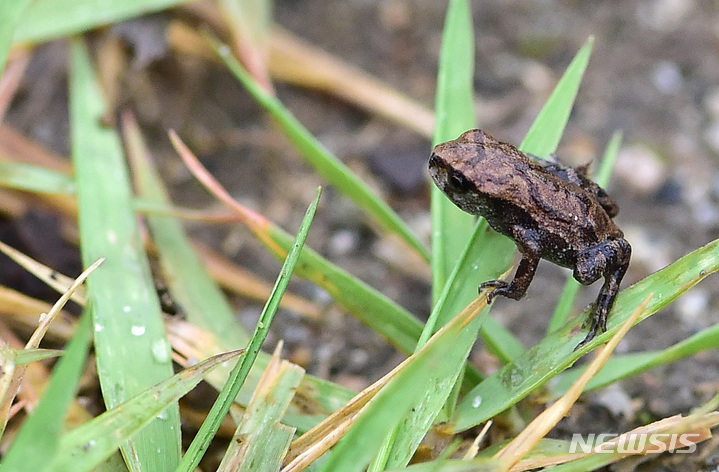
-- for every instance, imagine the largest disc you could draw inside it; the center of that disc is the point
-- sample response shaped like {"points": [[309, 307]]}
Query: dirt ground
{"points": [[654, 75]]}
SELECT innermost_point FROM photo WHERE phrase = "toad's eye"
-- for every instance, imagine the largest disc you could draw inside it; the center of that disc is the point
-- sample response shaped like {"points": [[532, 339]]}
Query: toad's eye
{"points": [[459, 182]]}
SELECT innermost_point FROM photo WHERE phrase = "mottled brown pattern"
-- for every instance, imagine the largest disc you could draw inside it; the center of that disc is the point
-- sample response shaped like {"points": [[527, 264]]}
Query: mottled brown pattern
{"points": [[551, 212]]}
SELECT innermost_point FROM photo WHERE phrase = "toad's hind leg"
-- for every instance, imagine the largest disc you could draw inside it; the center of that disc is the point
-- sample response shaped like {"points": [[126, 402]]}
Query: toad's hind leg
{"points": [[619, 252], [517, 288]]}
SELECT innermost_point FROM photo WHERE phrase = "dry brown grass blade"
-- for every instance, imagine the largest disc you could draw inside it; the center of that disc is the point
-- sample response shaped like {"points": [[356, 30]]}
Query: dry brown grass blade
{"points": [[315, 442], [664, 436], [227, 274], [23, 311], [10, 79], [295, 61], [15, 145], [51, 277], [474, 448], [34, 342], [240, 281], [542, 424]]}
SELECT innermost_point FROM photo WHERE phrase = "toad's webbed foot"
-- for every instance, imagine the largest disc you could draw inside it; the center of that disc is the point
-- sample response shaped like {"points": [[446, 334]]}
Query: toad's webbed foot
{"points": [[597, 320], [500, 288]]}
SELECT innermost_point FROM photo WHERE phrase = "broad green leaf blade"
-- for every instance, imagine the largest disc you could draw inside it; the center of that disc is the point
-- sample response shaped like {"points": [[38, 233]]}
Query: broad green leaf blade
{"points": [[239, 373], [88, 445], [261, 440], [543, 137], [628, 365], [323, 161], [441, 383], [400, 395], [45, 20], [514, 381], [191, 286], [35, 179], [451, 226], [38, 439], [10, 13], [131, 347]]}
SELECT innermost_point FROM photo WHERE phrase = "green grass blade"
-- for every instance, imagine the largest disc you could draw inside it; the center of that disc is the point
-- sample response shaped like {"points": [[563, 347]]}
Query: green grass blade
{"points": [[50, 19], [628, 365], [192, 287], [366, 303], [38, 439], [239, 373], [88, 445], [608, 160], [451, 227], [440, 384], [131, 346], [399, 396], [32, 178], [26, 356], [323, 161], [571, 287], [261, 440], [543, 137], [10, 13], [556, 352]]}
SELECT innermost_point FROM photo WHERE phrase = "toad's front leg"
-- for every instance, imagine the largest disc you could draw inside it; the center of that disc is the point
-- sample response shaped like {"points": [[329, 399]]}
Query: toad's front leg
{"points": [[516, 289], [610, 259]]}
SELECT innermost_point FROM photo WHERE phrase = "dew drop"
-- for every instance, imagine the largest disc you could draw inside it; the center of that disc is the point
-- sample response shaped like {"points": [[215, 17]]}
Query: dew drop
{"points": [[137, 330], [476, 401], [161, 351]]}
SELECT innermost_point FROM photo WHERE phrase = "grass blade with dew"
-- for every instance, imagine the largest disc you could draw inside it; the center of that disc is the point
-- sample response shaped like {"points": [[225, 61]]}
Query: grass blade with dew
{"points": [[321, 159], [556, 352], [131, 347], [202, 301], [86, 446], [627, 365], [238, 375]]}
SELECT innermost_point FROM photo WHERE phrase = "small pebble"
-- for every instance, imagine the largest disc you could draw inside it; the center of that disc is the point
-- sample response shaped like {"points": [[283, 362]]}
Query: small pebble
{"points": [[343, 242], [641, 168], [667, 77], [692, 308], [616, 400]]}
